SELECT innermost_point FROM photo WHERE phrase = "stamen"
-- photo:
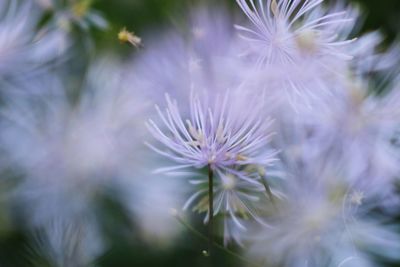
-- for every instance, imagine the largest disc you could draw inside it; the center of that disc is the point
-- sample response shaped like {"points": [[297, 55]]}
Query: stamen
{"points": [[274, 8], [357, 198], [306, 41], [125, 36], [241, 158], [229, 182]]}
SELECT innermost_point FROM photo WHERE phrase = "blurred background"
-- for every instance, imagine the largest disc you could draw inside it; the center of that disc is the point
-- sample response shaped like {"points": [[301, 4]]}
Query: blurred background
{"points": [[144, 15], [128, 245]]}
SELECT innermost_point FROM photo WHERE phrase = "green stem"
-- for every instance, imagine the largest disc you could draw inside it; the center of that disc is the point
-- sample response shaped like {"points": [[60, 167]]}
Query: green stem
{"points": [[203, 237], [210, 209]]}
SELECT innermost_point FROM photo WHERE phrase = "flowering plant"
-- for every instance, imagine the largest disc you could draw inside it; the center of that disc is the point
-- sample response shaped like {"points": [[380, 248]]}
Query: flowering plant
{"points": [[278, 130]]}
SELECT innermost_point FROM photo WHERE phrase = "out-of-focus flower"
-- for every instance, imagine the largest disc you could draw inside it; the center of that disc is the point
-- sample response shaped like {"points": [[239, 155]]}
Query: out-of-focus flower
{"points": [[78, 12], [66, 149], [16, 34], [205, 57], [357, 128], [296, 49], [371, 58], [22, 50], [320, 220], [66, 18], [68, 244], [287, 31], [72, 153], [151, 201]]}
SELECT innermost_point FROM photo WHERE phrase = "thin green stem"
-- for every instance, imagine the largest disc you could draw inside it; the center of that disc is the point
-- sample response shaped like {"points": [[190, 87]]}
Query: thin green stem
{"points": [[210, 209], [203, 237]]}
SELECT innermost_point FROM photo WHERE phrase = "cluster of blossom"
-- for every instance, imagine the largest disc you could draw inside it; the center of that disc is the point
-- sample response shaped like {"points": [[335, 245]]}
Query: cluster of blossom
{"points": [[286, 113], [285, 130]]}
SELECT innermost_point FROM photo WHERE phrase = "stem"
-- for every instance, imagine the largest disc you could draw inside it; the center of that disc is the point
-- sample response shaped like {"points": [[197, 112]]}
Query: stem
{"points": [[203, 237], [210, 209]]}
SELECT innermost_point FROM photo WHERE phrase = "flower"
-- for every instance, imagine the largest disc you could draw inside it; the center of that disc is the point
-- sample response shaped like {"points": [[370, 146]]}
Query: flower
{"points": [[357, 129], [69, 23], [74, 13], [65, 243], [285, 31], [70, 155], [237, 200], [62, 149], [20, 48], [227, 139], [223, 137], [321, 220], [205, 56], [296, 49]]}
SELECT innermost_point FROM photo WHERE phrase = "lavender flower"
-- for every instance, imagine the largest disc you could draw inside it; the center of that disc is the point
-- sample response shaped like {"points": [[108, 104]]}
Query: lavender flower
{"points": [[19, 50], [206, 56], [218, 137], [320, 220], [296, 47], [223, 138], [61, 148], [357, 129], [285, 31]]}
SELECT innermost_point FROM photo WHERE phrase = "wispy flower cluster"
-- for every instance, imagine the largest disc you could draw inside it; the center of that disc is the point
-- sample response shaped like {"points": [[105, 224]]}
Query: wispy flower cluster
{"points": [[299, 48], [290, 32], [230, 141], [224, 138], [338, 162]]}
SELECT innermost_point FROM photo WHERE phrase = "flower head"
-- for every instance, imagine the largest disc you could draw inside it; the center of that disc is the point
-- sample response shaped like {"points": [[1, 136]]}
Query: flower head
{"points": [[287, 30], [297, 48], [223, 137], [232, 142], [321, 220]]}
